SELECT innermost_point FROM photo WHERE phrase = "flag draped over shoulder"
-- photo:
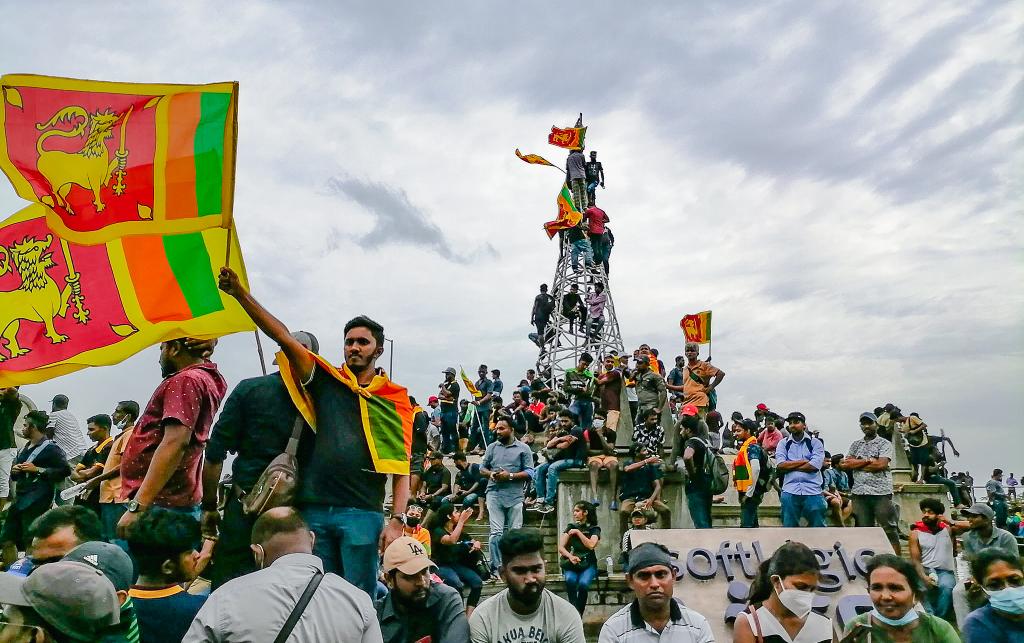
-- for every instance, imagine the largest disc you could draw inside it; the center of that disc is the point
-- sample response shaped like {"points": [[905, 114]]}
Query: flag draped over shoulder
{"points": [[66, 306], [568, 215], [116, 159], [697, 327], [384, 407], [535, 159], [470, 386], [570, 138]]}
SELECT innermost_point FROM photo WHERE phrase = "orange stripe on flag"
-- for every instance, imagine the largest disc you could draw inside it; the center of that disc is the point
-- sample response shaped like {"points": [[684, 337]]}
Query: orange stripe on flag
{"points": [[156, 287], [181, 168]]}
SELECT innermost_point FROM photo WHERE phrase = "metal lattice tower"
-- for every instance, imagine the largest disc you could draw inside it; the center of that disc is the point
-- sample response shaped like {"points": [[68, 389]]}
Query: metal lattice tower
{"points": [[563, 343]]}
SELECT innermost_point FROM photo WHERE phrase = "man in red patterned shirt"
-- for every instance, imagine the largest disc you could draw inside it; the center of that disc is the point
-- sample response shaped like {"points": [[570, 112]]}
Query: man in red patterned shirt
{"points": [[162, 462]]}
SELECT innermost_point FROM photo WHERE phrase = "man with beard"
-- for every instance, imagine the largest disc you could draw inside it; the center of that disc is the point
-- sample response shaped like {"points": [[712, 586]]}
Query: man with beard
{"points": [[525, 610], [654, 615], [931, 550], [162, 462], [417, 610], [37, 470], [700, 379], [872, 480], [508, 465], [341, 491], [448, 395]]}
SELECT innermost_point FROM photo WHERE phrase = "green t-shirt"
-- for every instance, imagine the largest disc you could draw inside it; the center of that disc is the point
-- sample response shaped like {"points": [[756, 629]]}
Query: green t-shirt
{"points": [[930, 629]]}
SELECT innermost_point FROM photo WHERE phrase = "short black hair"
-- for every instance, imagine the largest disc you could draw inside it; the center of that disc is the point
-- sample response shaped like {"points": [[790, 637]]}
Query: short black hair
{"points": [[587, 357], [100, 419], [269, 524], [459, 457], [651, 411], [82, 520], [38, 419], [902, 566], [984, 559], [934, 504], [362, 321], [566, 413], [131, 407], [61, 401], [517, 542], [159, 535]]}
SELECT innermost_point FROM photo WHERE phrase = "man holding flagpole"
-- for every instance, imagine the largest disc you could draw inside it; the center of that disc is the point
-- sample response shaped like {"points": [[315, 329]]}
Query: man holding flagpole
{"points": [[343, 465]]}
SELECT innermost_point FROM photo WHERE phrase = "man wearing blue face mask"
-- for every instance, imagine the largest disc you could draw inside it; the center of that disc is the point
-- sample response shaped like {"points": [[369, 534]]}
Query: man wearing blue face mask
{"points": [[1001, 621]]}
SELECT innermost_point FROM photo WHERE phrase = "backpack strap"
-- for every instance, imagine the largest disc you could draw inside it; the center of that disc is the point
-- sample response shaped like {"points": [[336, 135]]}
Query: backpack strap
{"points": [[293, 441], [300, 607], [758, 635]]}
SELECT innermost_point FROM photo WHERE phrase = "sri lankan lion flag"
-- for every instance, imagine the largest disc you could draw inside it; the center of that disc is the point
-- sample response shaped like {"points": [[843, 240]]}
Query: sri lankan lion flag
{"points": [[115, 159], [697, 327], [568, 215], [534, 159], [384, 408], [570, 138], [65, 306], [470, 386]]}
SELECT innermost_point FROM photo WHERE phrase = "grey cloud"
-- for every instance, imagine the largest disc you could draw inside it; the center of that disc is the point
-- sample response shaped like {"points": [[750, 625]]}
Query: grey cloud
{"points": [[398, 221]]}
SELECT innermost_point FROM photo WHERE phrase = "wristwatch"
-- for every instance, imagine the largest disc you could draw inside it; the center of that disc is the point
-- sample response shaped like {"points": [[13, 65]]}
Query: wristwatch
{"points": [[400, 518], [134, 506]]}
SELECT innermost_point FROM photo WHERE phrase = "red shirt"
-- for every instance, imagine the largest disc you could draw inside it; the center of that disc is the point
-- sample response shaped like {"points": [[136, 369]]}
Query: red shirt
{"points": [[190, 397], [596, 218]]}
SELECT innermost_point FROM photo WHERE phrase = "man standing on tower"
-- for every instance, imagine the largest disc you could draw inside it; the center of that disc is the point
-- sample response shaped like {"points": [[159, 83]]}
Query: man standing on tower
{"points": [[576, 177], [595, 176]]}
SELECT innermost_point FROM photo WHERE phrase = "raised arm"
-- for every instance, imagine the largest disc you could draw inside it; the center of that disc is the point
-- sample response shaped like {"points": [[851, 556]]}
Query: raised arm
{"points": [[274, 328]]}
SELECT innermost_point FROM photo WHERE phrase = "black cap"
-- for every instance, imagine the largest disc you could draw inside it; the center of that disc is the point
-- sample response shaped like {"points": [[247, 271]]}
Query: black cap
{"points": [[796, 415]]}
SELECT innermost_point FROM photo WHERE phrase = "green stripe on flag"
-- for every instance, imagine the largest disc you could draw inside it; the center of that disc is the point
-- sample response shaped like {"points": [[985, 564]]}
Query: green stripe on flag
{"points": [[190, 262], [209, 152], [386, 428]]}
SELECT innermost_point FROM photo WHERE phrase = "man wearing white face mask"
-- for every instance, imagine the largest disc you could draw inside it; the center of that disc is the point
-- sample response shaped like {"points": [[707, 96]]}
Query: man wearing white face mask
{"points": [[784, 588], [290, 582]]}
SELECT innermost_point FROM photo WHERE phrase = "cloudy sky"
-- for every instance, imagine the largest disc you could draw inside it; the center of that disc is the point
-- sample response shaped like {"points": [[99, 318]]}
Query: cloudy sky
{"points": [[839, 182]]}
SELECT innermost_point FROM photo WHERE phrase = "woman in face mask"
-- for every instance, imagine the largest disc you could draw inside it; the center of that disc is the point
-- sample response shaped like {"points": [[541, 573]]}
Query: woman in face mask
{"points": [[895, 588], [1002, 620], [784, 589]]}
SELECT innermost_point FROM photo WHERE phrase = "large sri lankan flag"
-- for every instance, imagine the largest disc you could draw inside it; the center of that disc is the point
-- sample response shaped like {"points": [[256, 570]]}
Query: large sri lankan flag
{"points": [[568, 215], [115, 159], [65, 306]]}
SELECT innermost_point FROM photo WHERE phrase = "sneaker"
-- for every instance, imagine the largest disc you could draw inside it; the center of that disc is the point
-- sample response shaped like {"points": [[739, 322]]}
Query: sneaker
{"points": [[535, 507], [545, 508], [614, 506], [595, 502]]}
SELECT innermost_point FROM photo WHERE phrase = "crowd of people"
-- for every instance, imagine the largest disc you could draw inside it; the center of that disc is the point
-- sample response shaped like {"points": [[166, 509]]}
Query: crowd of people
{"points": [[146, 509]]}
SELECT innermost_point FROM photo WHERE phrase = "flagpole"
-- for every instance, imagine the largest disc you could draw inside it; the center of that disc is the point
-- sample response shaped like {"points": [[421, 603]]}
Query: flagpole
{"points": [[259, 349], [227, 251]]}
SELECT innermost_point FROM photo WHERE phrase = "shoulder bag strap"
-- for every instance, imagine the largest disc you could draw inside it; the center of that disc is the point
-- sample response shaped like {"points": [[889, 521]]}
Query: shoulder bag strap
{"points": [[300, 607], [757, 624], [293, 442]]}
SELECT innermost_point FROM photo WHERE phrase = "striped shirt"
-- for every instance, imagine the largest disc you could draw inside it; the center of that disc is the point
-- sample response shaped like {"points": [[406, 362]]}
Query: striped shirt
{"points": [[67, 433], [684, 626]]}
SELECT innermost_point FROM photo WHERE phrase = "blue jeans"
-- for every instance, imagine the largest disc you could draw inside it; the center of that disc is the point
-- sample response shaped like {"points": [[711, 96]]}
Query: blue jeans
{"points": [[748, 511], [110, 515], [795, 507], [699, 504], [577, 584], [597, 242], [545, 478], [346, 541], [449, 428], [501, 519], [459, 577], [581, 247], [938, 600], [584, 410], [480, 432]]}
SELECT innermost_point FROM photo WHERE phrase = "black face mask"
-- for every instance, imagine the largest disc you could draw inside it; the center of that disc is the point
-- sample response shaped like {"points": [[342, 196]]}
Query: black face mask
{"points": [[412, 522]]}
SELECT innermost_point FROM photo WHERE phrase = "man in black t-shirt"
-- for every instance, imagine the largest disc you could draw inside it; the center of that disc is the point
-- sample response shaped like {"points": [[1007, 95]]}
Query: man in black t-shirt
{"points": [[437, 482], [595, 176], [601, 440], [572, 306], [641, 487], [543, 305], [694, 436], [10, 409], [448, 396], [420, 423], [340, 492], [98, 427], [572, 452]]}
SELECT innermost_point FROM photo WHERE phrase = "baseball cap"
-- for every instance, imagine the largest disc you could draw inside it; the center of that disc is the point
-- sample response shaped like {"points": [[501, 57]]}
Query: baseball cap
{"points": [[868, 415], [407, 555], [762, 407], [75, 598], [749, 425], [689, 409], [432, 398], [647, 555], [979, 509], [109, 559], [449, 370], [307, 339], [796, 415]]}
